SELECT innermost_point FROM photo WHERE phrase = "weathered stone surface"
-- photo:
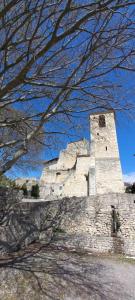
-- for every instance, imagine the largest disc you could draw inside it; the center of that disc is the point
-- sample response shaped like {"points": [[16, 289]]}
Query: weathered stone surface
{"points": [[79, 223], [84, 168], [108, 174]]}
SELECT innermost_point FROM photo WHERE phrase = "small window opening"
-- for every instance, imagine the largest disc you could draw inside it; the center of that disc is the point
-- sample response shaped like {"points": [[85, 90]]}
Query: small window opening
{"points": [[134, 201], [58, 173], [106, 148], [102, 122], [97, 133], [87, 177], [87, 182]]}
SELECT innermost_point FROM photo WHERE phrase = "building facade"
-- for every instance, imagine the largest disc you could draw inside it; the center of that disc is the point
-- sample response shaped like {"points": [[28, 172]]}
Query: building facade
{"points": [[86, 168]]}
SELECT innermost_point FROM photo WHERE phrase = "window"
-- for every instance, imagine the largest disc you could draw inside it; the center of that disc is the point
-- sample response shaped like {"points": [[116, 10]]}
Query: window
{"points": [[86, 176], [102, 121], [58, 173], [106, 148]]}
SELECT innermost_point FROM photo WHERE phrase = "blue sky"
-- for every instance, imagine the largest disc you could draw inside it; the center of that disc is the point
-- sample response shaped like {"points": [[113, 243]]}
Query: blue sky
{"points": [[126, 141], [126, 128], [125, 125]]}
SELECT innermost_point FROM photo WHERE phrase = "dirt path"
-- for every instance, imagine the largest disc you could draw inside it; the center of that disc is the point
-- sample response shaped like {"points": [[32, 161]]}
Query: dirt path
{"points": [[55, 275]]}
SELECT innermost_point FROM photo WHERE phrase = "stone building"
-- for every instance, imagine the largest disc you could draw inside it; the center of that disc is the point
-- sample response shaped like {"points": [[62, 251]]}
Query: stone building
{"points": [[28, 181], [84, 168]]}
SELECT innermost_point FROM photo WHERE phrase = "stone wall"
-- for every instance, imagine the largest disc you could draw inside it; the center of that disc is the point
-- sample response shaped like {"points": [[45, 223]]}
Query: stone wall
{"points": [[66, 176], [84, 168], [104, 147], [28, 181], [108, 176], [91, 226], [104, 136], [80, 223]]}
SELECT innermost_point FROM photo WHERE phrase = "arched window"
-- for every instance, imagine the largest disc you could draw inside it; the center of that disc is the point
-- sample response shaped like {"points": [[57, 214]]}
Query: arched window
{"points": [[102, 122]]}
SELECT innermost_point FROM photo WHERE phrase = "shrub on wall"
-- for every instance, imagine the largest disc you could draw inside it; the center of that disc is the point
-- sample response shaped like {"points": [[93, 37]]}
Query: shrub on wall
{"points": [[24, 189], [131, 188], [35, 191], [115, 221]]}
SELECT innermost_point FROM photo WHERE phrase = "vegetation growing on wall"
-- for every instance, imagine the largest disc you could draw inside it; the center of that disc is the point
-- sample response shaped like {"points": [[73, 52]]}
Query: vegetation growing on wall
{"points": [[131, 188], [24, 189], [115, 221], [35, 191]]}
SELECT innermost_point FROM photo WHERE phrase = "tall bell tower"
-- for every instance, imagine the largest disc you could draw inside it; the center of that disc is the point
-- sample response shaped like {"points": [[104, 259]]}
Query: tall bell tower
{"points": [[104, 148]]}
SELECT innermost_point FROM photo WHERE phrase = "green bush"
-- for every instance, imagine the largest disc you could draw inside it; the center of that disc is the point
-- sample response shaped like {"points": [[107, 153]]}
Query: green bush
{"points": [[131, 188], [24, 189], [35, 191]]}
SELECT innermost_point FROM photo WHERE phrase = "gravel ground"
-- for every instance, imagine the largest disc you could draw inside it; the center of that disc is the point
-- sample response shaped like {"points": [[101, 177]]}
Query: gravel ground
{"points": [[60, 275]]}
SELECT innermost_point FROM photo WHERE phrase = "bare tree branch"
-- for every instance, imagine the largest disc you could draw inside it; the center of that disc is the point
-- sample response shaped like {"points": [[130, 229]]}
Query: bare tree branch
{"points": [[56, 58]]}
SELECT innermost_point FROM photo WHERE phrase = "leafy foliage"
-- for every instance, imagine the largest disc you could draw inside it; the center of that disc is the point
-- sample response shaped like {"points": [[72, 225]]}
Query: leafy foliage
{"points": [[131, 188], [35, 191], [24, 189]]}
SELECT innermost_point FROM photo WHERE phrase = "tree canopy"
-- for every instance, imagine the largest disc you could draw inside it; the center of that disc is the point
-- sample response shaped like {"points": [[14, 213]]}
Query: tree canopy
{"points": [[55, 61]]}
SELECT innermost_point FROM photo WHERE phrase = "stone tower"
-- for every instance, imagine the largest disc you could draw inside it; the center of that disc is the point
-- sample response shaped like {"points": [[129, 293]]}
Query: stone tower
{"points": [[105, 175], [80, 171]]}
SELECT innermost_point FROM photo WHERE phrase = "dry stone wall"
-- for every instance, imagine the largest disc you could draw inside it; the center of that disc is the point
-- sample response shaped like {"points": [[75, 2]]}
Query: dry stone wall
{"points": [[92, 227], [78, 223]]}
